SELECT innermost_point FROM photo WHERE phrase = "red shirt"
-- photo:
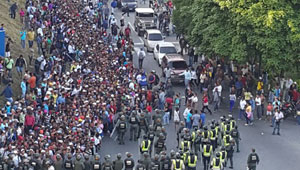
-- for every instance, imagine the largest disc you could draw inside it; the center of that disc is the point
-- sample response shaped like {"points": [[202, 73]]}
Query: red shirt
{"points": [[29, 120], [149, 108]]}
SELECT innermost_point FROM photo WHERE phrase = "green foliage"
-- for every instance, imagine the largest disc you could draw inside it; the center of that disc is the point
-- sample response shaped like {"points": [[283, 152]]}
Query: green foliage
{"points": [[245, 30]]}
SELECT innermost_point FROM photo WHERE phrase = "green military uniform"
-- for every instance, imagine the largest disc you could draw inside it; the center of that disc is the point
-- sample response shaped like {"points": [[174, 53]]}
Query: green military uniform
{"points": [[146, 161], [160, 144], [121, 125], [133, 122], [236, 136], [78, 164], [143, 124], [118, 164], [58, 163], [253, 160]]}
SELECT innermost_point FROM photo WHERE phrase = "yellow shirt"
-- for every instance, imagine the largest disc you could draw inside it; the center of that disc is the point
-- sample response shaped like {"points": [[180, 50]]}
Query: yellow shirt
{"points": [[247, 95], [248, 109], [30, 35], [260, 85]]}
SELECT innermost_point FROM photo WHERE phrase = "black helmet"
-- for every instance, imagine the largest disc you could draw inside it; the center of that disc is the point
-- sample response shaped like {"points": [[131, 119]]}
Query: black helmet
{"points": [[145, 137], [205, 128], [218, 155]]}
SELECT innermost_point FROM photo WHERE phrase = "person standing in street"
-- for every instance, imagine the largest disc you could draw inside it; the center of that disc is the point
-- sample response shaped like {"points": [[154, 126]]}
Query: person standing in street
{"points": [[258, 106], [129, 162], [20, 63], [253, 160], [30, 37], [278, 116], [118, 164], [141, 55], [243, 104], [236, 136], [230, 151], [23, 35]]}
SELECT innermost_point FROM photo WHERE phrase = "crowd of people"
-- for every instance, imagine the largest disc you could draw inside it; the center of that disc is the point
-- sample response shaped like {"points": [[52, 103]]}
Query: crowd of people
{"points": [[84, 86]]}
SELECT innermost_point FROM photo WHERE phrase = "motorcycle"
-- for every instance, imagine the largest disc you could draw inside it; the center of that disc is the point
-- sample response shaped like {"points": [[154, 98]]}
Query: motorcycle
{"points": [[288, 109]]}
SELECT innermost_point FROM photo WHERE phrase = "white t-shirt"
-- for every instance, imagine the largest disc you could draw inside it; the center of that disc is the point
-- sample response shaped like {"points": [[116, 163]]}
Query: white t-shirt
{"points": [[176, 116], [243, 104], [258, 101]]}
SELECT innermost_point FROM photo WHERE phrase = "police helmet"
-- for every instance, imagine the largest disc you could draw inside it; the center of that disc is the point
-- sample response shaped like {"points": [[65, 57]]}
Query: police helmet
{"points": [[145, 137], [227, 132], [172, 153], [107, 157], [222, 148], [119, 155], [156, 156], [128, 154], [178, 155], [161, 135], [122, 117], [218, 155], [78, 156], [151, 127], [205, 128]]}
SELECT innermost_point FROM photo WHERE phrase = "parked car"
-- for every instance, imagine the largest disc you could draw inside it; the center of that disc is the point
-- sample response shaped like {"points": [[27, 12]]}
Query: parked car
{"points": [[151, 38], [132, 4], [163, 48], [144, 19], [177, 64]]}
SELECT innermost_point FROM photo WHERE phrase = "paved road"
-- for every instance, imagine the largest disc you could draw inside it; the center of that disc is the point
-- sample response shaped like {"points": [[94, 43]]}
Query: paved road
{"points": [[276, 152]]}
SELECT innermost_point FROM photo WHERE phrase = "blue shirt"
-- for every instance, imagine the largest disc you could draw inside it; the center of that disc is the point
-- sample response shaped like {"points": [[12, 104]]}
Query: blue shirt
{"points": [[23, 35], [188, 117], [203, 117]]}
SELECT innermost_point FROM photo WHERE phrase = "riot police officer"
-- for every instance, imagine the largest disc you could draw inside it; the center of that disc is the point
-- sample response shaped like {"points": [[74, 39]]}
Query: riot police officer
{"points": [[223, 156], [59, 162], [143, 124], [140, 166], [226, 139], [129, 162], [160, 144], [205, 133], [151, 136], [68, 163], [216, 163], [96, 165], [87, 162], [107, 164], [180, 132], [253, 160], [230, 151], [155, 163], [178, 163], [146, 161], [197, 142], [133, 122], [191, 161], [145, 145], [165, 162], [213, 136], [78, 164], [118, 164], [121, 125], [236, 136], [206, 153]]}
